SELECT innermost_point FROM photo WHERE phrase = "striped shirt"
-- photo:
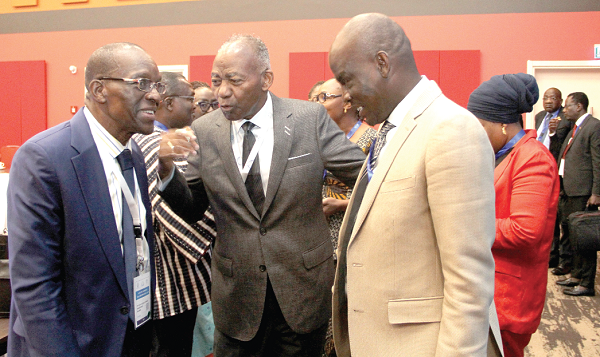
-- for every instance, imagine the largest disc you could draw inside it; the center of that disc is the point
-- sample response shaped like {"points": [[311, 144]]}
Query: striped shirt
{"points": [[182, 251]]}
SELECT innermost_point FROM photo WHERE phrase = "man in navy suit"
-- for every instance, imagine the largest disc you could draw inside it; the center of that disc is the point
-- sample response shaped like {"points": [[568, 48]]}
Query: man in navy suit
{"points": [[77, 249]]}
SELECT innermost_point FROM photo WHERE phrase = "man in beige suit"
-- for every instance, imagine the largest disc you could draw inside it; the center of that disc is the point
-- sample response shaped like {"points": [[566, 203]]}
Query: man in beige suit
{"points": [[415, 272]]}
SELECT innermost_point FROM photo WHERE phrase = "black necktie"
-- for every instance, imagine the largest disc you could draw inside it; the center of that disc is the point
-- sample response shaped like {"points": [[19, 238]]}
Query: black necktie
{"points": [[253, 181], [129, 250]]}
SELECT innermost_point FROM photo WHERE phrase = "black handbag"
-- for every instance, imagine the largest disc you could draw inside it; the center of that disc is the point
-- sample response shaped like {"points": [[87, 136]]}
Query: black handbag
{"points": [[585, 228]]}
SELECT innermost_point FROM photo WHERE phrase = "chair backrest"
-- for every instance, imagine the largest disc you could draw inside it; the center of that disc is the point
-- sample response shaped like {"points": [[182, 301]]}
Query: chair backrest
{"points": [[6, 154]]}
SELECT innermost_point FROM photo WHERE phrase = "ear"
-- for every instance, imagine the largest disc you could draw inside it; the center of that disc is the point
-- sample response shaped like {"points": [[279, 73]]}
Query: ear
{"points": [[267, 80], [168, 103], [383, 63], [97, 91]]}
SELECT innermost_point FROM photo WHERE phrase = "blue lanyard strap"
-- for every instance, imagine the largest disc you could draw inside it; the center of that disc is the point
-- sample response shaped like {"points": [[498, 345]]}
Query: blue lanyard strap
{"points": [[354, 129], [509, 145]]}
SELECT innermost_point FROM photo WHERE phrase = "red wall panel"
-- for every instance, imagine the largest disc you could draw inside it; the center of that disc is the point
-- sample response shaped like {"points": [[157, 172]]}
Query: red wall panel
{"points": [[428, 64], [306, 69], [10, 103], [460, 74], [33, 99], [201, 68]]}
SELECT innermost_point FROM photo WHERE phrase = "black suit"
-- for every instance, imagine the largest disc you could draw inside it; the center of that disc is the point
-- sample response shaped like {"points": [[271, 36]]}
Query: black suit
{"points": [[556, 140], [580, 180]]}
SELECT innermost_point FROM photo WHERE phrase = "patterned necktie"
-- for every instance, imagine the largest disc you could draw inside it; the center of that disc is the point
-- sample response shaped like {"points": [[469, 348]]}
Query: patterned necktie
{"points": [[129, 250], [544, 127], [380, 141], [253, 181], [570, 142]]}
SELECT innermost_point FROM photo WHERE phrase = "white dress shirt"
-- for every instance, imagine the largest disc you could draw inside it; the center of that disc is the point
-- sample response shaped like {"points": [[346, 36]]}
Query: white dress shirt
{"points": [[403, 108], [263, 133], [109, 148]]}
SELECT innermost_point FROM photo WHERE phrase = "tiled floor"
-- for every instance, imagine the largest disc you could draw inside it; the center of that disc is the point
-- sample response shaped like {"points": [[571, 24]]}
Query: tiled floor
{"points": [[570, 325]]}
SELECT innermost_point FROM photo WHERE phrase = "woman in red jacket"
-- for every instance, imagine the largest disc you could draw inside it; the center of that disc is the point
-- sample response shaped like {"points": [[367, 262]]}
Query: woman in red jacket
{"points": [[527, 187]]}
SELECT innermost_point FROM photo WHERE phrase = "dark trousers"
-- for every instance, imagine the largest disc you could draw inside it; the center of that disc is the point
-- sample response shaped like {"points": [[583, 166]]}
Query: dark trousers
{"points": [[583, 262], [274, 338], [555, 249], [137, 342], [174, 335]]}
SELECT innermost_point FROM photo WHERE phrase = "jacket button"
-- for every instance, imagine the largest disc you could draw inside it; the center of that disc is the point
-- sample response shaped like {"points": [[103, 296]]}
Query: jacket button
{"points": [[263, 231], [125, 310], [262, 268]]}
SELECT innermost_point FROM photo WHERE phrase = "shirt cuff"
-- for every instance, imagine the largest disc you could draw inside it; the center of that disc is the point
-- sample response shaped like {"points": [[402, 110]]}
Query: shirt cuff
{"points": [[163, 184]]}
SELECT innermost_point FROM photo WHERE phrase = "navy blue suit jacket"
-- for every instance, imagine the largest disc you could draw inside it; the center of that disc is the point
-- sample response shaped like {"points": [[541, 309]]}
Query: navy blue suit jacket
{"points": [[67, 270]]}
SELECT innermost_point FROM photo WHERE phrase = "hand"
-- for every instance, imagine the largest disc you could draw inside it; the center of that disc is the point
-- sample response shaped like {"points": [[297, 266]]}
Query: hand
{"points": [[594, 200], [174, 144], [552, 125], [333, 205]]}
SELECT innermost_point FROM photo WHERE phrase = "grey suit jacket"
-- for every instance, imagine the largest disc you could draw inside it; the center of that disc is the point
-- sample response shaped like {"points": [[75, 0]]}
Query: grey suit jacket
{"points": [[582, 162], [289, 241], [556, 140]]}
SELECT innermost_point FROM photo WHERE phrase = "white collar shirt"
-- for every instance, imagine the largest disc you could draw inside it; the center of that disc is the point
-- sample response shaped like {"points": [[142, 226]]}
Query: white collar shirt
{"points": [[109, 148], [561, 168], [402, 110], [263, 133]]}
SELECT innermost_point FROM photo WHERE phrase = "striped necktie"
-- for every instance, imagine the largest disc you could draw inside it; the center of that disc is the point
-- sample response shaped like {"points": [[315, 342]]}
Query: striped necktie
{"points": [[380, 141]]}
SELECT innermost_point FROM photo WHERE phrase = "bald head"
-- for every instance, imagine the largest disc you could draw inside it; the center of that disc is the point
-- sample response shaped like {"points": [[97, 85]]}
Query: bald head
{"points": [[372, 58], [105, 61]]}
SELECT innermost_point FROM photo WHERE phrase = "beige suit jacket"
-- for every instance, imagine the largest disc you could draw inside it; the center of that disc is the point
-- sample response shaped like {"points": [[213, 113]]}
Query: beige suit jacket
{"points": [[415, 273]]}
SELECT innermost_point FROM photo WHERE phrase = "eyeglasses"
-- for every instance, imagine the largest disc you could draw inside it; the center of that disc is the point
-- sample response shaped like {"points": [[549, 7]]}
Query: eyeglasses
{"points": [[143, 84], [188, 97], [204, 106], [550, 98], [323, 97]]}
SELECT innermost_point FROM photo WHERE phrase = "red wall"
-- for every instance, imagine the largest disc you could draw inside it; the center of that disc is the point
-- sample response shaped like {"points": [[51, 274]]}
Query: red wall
{"points": [[505, 41], [22, 101]]}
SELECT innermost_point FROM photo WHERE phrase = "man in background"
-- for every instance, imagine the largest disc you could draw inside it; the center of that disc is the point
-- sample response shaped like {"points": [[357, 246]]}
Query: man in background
{"points": [[415, 272], [182, 250], [77, 255], [579, 168]]}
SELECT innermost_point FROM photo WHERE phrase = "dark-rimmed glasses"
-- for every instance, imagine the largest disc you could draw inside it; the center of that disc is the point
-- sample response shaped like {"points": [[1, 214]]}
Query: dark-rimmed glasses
{"points": [[323, 97], [204, 106], [143, 84], [187, 97]]}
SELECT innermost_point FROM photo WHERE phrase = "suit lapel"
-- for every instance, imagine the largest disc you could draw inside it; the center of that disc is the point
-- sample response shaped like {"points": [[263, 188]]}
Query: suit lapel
{"points": [[283, 131], [92, 180], [392, 148], [223, 141]]}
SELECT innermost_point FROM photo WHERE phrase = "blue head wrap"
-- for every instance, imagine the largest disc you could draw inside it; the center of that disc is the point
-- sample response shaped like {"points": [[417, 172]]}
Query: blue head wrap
{"points": [[504, 98]]}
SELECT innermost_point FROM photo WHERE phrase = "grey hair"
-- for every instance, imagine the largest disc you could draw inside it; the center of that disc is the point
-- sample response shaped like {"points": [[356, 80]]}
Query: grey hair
{"points": [[260, 49]]}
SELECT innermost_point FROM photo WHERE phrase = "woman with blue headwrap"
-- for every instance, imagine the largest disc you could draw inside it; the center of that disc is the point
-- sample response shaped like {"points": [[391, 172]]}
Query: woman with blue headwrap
{"points": [[527, 187]]}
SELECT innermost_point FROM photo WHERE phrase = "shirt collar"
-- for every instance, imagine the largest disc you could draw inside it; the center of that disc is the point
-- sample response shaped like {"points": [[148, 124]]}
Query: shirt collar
{"points": [[109, 142], [263, 119], [160, 125], [581, 119], [408, 102]]}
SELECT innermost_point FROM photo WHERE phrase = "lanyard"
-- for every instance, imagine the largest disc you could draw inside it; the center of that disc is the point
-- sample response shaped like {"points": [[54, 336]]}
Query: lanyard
{"points": [[252, 156], [353, 130], [509, 145], [132, 203]]}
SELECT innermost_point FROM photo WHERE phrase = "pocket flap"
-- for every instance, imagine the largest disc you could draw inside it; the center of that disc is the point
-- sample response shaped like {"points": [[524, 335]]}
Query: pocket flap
{"points": [[398, 185], [224, 265], [318, 255], [418, 310]]}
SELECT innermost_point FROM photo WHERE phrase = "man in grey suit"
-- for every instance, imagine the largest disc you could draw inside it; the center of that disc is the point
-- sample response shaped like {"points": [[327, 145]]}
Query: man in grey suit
{"points": [[260, 165], [579, 168]]}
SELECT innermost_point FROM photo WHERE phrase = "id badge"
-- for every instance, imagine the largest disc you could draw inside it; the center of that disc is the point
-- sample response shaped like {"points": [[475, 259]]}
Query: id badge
{"points": [[141, 291]]}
